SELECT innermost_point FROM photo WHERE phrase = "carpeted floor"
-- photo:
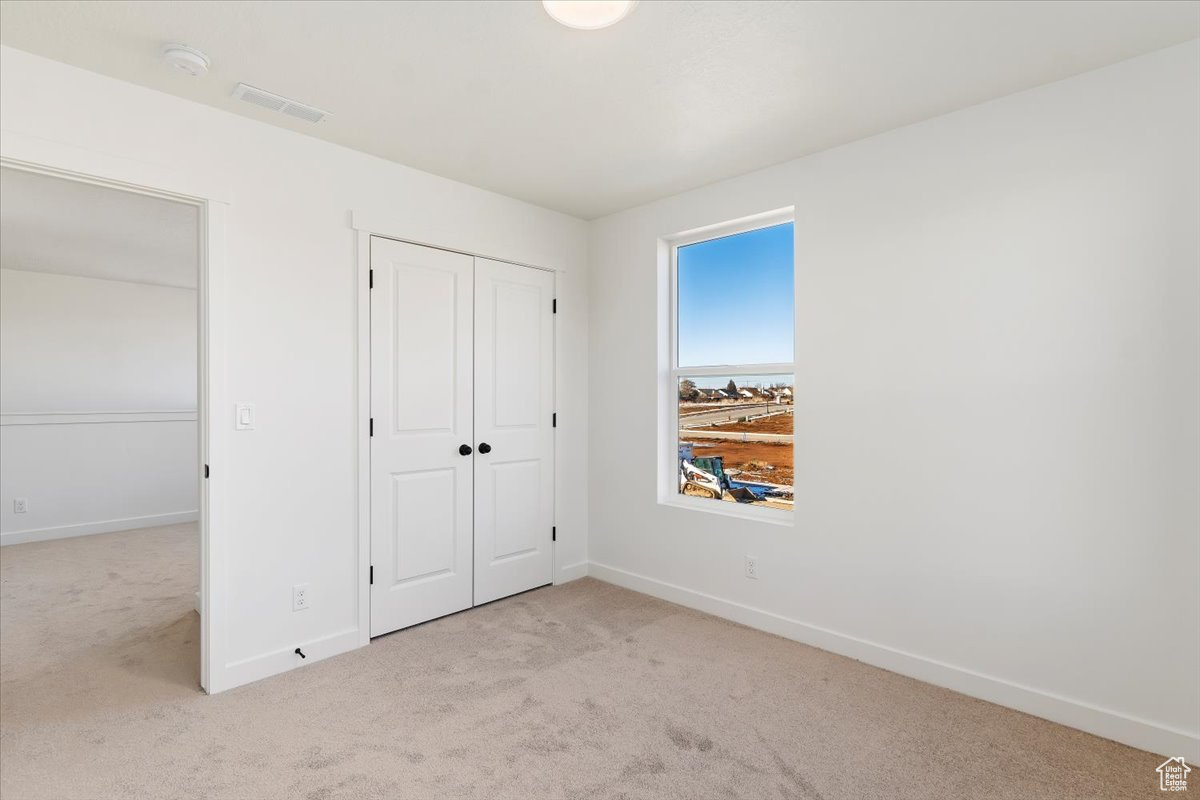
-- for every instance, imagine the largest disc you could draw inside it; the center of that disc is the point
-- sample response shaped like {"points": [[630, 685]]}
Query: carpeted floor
{"points": [[579, 691]]}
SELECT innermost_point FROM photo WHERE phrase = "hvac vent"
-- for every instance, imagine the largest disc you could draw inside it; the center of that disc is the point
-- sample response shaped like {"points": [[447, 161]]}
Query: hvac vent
{"points": [[275, 102]]}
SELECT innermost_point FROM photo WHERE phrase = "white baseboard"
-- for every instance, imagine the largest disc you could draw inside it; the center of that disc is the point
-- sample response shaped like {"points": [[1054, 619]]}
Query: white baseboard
{"points": [[1106, 723], [571, 572], [105, 526], [239, 673]]}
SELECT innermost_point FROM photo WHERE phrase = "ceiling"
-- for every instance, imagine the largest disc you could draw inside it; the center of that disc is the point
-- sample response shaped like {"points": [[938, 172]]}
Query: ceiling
{"points": [[678, 95], [71, 228]]}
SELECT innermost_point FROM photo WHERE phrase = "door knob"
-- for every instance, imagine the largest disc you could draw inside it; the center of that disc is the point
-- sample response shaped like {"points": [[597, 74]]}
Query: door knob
{"points": [[484, 447], [464, 450]]}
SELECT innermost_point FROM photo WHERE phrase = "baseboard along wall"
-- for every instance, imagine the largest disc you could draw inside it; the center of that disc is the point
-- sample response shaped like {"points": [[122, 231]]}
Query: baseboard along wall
{"points": [[104, 526], [1135, 732]]}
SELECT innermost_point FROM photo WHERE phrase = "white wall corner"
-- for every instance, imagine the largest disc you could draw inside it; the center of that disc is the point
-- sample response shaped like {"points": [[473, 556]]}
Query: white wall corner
{"points": [[571, 572]]}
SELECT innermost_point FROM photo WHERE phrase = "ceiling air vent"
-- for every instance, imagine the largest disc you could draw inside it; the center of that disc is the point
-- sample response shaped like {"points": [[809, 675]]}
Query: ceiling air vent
{"points": [[274, 102]]}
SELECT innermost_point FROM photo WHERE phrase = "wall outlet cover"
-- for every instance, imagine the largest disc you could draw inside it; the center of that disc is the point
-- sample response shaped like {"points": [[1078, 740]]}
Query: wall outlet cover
{"points": [[20, 505]]}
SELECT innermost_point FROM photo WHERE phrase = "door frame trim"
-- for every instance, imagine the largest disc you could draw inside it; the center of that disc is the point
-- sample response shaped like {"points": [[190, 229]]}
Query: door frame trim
{"points": [[59, 160], [363, 236], [362, 437]]}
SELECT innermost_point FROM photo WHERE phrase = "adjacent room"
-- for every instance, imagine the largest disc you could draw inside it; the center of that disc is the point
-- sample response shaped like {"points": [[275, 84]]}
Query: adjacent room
{"points": [[599, 398], [98, 441]]}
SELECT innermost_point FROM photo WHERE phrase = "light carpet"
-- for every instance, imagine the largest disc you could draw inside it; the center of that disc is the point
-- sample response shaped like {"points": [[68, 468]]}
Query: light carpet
{"points": [[583, 690]]}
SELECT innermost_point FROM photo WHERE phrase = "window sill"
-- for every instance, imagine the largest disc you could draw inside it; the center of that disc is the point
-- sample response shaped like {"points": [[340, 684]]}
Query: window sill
{"points": [[771, 516]]}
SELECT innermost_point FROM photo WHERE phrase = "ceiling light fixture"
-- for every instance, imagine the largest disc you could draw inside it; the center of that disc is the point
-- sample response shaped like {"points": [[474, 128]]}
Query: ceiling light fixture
{"points": [[187, 59], [589, 15]]}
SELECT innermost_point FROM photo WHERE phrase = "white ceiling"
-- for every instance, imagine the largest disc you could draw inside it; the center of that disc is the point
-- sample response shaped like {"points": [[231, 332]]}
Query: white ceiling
{"points": [[71, 228], [678, 95]]}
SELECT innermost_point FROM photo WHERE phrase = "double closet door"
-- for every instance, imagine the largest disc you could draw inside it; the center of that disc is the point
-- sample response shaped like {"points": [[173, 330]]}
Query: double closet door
{"points": [[462, 443]]}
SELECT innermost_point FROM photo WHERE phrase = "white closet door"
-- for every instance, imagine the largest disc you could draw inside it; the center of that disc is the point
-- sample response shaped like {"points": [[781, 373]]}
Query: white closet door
{"points": [[421, 393], [514, 404]]}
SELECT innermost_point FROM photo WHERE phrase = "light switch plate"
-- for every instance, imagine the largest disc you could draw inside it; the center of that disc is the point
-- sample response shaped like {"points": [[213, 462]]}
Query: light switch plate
{"points": [[243, 419]]}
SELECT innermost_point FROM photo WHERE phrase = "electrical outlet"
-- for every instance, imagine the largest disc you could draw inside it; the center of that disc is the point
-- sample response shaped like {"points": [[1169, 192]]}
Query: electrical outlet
{"points": [[300, 597], [20, 505], [752, 567]]}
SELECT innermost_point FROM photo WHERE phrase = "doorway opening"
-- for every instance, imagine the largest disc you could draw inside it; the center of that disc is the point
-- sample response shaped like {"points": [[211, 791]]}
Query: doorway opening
{"points": [[103, 436]]}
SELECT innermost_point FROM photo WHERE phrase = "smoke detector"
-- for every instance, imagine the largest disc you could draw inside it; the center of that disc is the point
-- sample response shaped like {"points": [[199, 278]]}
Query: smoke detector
{"points": [[186, 59], [277, 102]]}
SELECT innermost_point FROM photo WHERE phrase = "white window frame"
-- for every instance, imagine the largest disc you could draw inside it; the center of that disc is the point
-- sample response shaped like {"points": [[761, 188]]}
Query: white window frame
{"points": [[671, 373]]}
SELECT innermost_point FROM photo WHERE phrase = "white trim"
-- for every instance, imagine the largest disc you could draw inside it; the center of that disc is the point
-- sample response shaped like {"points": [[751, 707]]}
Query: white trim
{"points": [[372, 225], [63, 160], [1109, 724], [732, 370], [94, 417], [555, 439], [704, 505], [239, 673], [134, 281], [719, 230], [91, 528], [670, 373], [216, 412], [363, 440], [364, 233], [571, 572]]}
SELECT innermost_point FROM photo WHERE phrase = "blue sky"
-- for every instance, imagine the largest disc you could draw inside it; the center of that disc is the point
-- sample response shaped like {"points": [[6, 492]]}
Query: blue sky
{"points": [[736, 299]]}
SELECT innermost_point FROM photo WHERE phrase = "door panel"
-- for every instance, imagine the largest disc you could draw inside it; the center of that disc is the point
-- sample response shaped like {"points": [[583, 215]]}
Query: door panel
{"points": [[421, 403], [425, 302], [516, 515], [514, 403], [516, 316], [423, 502]]}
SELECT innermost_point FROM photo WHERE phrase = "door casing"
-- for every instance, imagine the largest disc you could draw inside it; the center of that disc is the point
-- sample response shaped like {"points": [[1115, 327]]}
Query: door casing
{"points": [[60, 161], [367, 228]]}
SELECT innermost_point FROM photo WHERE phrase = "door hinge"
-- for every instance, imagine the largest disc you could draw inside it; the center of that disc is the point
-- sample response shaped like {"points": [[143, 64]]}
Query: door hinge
{"points": [[554, 306], [206, 470], [372, 579], [370, 279], [371, 427], [554, 420], [554, 533]]}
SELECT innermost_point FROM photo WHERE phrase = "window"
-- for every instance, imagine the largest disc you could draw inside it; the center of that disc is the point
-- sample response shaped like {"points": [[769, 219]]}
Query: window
{"points": [[731, 393]]}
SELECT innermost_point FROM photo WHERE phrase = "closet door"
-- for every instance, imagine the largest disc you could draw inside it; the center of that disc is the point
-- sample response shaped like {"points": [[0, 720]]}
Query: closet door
{"points": [[514, 404], [421, 467]]}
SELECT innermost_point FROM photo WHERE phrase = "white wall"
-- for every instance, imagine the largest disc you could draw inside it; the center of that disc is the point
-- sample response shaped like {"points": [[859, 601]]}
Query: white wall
{"points": [[97, 405], [74, 344], [998, 404], [291, 484]]}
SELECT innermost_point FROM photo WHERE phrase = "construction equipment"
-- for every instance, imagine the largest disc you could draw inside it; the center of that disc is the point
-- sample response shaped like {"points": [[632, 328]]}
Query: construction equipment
{"points": [[692, 475], [707, 474]]}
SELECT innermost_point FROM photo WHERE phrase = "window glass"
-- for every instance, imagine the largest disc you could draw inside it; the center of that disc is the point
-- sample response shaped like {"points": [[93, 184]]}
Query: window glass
{"points": [[735, 439], [735, 299]]}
